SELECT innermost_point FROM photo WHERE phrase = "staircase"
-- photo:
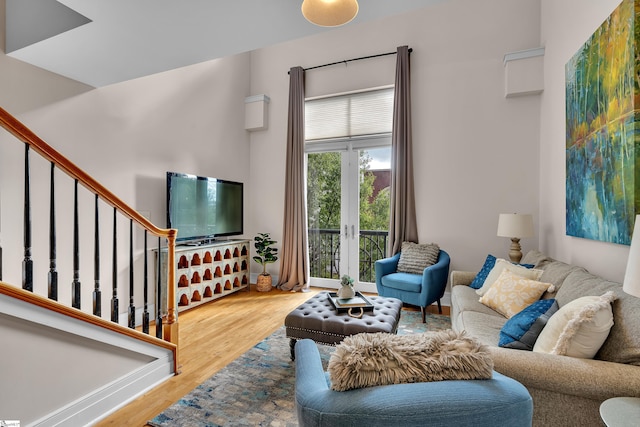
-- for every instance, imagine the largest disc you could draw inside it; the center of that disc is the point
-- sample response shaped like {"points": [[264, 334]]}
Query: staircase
{"points": [[66, 360]]}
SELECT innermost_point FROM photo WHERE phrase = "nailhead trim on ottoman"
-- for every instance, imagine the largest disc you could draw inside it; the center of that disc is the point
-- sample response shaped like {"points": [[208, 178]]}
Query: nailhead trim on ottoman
{"points": [[318, 320]]}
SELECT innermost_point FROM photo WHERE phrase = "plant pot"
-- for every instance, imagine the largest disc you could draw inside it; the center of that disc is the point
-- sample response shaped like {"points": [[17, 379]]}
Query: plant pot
{"points": [[346, 291], [264, 283]]}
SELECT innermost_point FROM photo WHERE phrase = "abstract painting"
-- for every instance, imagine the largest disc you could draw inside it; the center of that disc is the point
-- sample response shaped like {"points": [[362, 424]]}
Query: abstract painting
{"points": [[602, 100]]}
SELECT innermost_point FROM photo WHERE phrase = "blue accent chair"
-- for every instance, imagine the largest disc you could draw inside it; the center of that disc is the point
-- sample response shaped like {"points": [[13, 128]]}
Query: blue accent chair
{"points": [[497, 402], [420, 290]]}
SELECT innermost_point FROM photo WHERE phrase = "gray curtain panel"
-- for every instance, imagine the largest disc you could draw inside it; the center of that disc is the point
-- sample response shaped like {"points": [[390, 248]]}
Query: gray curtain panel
{"points": [[294, 269], [402, 225]]}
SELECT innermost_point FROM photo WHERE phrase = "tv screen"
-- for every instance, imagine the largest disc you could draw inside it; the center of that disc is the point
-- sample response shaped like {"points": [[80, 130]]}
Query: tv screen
{"points": [[202, 208]]}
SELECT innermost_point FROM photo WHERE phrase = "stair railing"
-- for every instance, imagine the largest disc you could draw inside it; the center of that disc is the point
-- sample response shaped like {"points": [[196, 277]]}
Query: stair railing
{"points": [[166, 327]]}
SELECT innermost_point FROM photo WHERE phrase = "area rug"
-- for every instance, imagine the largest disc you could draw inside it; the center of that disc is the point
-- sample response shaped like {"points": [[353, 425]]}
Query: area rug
{"points": [[258, 388]]}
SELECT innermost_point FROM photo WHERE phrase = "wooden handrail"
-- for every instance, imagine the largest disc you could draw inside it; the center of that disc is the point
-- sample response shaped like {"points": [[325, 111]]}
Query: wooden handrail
{"points": [[24, 134], [31, 298]]}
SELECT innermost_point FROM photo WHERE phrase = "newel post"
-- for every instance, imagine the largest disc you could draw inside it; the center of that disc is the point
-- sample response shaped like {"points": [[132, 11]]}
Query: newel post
{"points": [[171, 329]]}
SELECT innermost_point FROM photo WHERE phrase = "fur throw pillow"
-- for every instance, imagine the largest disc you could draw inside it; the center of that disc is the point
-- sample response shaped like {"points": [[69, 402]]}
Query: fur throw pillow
{"points": [[371, 359]]}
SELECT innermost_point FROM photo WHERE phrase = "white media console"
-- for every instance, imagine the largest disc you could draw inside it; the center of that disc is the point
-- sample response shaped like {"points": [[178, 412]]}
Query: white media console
{"points": [[209, 271]]}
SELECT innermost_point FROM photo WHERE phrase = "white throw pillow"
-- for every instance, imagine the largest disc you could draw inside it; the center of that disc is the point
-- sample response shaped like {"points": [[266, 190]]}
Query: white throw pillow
{"points": [[579, 328], [500, 266]]}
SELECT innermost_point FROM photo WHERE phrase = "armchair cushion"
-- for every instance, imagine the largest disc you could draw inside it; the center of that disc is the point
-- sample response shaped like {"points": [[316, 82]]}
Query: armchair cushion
{"points": [[415, 257], [403, 281]]}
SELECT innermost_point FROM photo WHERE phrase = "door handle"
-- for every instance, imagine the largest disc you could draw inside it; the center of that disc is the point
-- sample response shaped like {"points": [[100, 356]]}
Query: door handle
{"points": [[353, 231], [346, 231]]}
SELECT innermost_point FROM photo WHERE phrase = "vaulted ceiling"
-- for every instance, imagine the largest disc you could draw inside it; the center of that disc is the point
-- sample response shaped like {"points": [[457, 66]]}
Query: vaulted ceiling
{"points": [[101, 42]]}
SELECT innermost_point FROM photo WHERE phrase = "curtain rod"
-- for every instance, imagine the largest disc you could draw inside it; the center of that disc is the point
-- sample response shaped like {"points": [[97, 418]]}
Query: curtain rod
{"points": [[353, 59]]}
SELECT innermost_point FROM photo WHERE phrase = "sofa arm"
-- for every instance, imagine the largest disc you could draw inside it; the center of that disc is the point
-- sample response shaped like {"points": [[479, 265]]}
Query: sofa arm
{"points": [[462, 277], [589, 378]]}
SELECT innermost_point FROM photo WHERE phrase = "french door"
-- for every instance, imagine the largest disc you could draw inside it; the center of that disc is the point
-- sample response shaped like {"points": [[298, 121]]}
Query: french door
{"points": [[347, 208]]}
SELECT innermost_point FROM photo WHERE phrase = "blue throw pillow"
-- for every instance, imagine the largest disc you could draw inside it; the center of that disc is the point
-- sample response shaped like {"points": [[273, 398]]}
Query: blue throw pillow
{"points": [[489, 263], [478, 281], [521, 331]]}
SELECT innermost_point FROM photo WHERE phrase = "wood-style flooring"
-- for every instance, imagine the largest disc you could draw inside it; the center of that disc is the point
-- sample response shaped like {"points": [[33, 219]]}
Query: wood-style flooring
{"points": [[211, 336]]}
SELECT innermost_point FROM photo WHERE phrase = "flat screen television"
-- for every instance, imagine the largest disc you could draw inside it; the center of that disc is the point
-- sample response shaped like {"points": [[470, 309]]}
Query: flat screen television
{"points": [[203, 208]]}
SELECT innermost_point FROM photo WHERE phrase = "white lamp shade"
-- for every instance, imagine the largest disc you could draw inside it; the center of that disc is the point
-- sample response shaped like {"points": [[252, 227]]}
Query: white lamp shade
{"points": [[631, 283], [329, 13], [515, 225]]}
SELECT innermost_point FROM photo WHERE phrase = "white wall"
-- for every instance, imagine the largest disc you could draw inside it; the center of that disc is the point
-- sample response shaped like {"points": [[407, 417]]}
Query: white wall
{"points": [[24, 87], [475, 152], [566, 25], [126, 136]]}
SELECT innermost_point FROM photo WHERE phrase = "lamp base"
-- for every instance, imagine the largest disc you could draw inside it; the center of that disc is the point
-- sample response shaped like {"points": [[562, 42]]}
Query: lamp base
{"points": [[515, 253]]}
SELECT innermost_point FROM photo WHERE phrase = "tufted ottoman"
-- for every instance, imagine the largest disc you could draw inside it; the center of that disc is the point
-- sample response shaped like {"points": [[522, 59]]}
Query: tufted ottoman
{"points": [[317, 319]]}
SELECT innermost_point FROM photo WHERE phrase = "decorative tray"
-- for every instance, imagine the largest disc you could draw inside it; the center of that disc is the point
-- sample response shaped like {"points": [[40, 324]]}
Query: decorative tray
{"points": [[359, 301]]}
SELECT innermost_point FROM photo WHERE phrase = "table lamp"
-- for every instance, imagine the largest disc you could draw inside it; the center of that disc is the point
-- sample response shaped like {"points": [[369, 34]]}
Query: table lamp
{"points": [[631, 284], [515, 226]]}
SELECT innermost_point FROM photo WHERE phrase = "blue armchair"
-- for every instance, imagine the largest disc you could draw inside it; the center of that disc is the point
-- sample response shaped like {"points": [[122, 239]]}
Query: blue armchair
{"points": [[415, 289], [496, 402]]}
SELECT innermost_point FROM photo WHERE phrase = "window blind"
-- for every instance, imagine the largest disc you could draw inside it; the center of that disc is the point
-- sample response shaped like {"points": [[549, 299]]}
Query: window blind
{"points": [[354, 114]]}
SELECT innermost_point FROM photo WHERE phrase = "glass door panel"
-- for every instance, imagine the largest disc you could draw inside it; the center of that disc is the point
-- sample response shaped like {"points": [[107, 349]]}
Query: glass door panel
{"points": [[348, 214], [324, 189]]}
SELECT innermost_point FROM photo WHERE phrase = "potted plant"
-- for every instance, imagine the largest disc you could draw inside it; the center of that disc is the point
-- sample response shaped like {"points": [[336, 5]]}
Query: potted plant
{"points": [[346, 291], [266, 254]]}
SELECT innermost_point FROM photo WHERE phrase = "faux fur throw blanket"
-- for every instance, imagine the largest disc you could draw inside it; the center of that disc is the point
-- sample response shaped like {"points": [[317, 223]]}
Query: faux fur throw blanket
{"points": [[371, 359]]}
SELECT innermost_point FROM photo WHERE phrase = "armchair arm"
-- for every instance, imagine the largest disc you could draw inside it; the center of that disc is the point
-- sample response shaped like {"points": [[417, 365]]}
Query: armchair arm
{"points": [[386, 266], [436, 276]]}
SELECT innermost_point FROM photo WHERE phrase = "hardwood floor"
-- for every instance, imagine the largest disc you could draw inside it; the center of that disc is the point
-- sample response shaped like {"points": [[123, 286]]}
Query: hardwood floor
{"points": [[211, 336]]}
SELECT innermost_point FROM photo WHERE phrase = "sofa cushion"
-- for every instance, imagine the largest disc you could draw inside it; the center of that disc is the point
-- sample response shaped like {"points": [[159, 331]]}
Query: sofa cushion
{"points": [[579, 328], [553, 271], [485, 327], [511, 293], [623, 343], [366, 360], [500, 266], [415, 257], [522, 330], [404, 281], [537, 258]]}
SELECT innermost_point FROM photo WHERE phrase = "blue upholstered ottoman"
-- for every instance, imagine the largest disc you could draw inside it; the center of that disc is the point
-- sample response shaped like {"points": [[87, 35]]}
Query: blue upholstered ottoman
{"points": [[499, 401]]}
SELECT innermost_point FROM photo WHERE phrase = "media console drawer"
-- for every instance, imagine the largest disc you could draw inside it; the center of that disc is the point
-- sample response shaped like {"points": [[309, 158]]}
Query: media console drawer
{"points": [[209, 271]]}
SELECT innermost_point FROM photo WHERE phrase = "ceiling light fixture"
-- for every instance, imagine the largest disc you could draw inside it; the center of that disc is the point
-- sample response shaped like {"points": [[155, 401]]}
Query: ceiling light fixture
{"points": [[329, 13]]}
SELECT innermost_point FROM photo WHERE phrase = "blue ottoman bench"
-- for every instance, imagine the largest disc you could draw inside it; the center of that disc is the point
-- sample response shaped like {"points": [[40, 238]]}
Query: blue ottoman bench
{"points": [[499, 401]]}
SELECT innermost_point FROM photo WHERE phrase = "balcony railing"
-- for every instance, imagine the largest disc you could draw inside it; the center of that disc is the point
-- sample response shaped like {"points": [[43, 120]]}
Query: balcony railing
{"points": [[324, 253]]}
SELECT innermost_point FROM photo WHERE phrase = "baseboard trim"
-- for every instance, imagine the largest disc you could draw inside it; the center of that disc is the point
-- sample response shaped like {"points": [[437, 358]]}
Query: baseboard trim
{"points": [[102, 402]]}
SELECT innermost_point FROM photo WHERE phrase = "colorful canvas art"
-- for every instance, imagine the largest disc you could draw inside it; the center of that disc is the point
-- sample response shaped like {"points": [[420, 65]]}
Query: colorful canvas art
{"points": [[602, 95]]}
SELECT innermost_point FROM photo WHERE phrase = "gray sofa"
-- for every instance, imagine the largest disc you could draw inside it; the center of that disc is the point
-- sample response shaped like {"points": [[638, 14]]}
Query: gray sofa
{"points": [[566, 391]]}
